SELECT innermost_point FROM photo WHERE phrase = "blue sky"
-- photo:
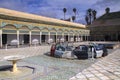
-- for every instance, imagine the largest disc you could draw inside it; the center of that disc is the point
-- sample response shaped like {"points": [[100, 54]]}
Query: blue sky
{"points": [[54, 8]]}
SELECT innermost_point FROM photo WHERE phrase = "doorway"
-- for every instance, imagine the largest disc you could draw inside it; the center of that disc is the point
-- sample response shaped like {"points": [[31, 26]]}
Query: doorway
{"points": [[4, 38], [43, 38], [54, 38], [26, 39], [66, 37]]}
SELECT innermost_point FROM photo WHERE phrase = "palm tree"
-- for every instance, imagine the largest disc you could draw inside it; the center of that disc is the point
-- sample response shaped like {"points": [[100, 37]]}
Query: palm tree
{"points": [[107, 10], [90, 16], [94, 12], [64, 10], [87, 19], [74, 10], [89, 11]]}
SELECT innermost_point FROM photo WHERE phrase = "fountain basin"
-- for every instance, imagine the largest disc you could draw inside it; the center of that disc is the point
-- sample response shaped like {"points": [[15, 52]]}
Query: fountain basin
{"points": [[14, 60]]}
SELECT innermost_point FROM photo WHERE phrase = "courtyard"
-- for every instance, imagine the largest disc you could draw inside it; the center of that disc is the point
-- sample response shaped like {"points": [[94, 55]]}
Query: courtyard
{"points": [[36, 65]]}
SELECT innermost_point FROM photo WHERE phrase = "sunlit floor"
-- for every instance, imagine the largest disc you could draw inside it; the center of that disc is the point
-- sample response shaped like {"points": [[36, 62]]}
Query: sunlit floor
{"points": [[49, 68], [42, 67]]}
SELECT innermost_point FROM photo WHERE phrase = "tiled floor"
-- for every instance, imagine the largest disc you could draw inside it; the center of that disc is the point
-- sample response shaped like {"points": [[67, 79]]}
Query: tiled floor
{"points": [[26, 52], [107, 68]]}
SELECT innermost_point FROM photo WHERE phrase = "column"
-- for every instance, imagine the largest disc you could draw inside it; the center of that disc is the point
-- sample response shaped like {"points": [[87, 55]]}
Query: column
{"points": [[49, 37], [56, 37], [18, 38], [62, 35], [30, 38], [78, 38], [0, 38], [81, 38], [40, 37]]}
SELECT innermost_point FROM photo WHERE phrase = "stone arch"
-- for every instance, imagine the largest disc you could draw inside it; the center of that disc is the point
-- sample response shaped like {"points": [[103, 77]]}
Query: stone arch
{"points": [[9, 26], [53, 30], [60, 30], [24, 27], [76, 31], [66, 30], [36, 28], [80, 32], [45, 29], [71, 31]]}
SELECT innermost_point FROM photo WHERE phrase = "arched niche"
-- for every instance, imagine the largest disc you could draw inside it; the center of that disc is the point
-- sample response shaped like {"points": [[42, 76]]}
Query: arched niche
{"points": [[66, 30], [45, 29], [71, 31], [53, 30], [60, 30], [24, 28], [9, 26], [35, 28]]}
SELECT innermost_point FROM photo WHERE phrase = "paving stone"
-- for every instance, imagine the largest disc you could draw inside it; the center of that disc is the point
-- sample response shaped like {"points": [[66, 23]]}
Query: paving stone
{"points": [[82, 79], [94, 78], [80, 76], [86, 72], [98, 68], [117, 79], [73, 78], [103, 71], [99, 74], [117, 73], [90, 69], [95, 72], [113, 77], [107, 73], [107, 68], [104, 78], [89, 75]]}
